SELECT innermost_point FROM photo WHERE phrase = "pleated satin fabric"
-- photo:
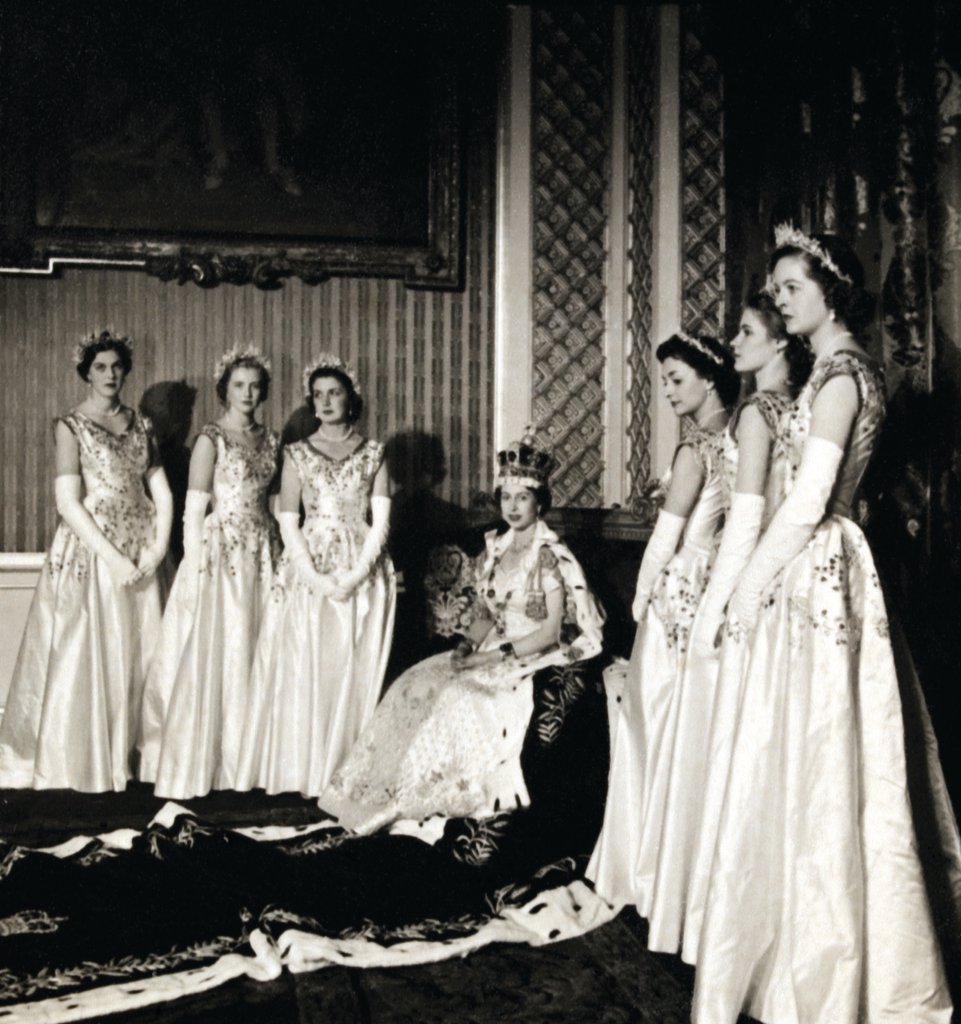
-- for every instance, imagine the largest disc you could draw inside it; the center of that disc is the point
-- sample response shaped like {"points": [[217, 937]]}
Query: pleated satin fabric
{"points": [[319, 663], [195, 701], [73, 711], [810, 903]]}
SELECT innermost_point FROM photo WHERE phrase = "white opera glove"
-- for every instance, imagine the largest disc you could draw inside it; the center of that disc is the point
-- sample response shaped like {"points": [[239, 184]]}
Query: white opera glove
{"points": [[659, 551], [195, 511], [741, 531], [156, 551], [299, 555], [791, 528], [71, 510], [373, 545]]}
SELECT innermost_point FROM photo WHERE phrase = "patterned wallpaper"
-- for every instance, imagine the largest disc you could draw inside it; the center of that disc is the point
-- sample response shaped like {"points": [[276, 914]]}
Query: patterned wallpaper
{"points": [[425, 359], [571, 144], [641, 107], [703, 192]]}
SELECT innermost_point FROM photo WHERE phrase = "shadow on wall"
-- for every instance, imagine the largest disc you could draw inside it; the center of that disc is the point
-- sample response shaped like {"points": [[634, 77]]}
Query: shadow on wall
{"points": [[419, 521], [170, 405]]}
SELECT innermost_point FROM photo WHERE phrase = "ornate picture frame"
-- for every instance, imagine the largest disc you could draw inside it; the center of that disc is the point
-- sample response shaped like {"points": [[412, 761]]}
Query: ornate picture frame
{"points": [[299, 144]]}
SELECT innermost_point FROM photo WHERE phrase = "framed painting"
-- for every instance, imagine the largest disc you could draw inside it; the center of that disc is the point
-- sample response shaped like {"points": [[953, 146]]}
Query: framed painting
{"points": [[297, 141]]}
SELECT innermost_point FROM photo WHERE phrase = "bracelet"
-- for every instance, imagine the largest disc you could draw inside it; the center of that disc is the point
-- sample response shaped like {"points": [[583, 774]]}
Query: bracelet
{"points": [[465, 646], [507, 651]]}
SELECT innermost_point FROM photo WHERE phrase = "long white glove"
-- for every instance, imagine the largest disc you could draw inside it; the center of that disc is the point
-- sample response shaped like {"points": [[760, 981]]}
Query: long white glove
{"points": [[741, 531], [659, 551], [154, 553], [373, 543], [195, 511], [791, 528], [72, 512], [299, 554]]}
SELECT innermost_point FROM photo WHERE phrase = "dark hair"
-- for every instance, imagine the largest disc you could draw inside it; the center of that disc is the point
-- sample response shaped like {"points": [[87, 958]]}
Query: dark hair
{"points": [[719, 370], [798, 352], [244, 363], [852, 305], [355, 404], [104, 342], [542, 495]]}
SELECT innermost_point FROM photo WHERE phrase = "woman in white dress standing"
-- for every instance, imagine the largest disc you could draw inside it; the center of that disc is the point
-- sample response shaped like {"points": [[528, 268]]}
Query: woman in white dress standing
{"points": [[816, 909], [700, 383], [326, 635], [73, 712], [196, 696]]}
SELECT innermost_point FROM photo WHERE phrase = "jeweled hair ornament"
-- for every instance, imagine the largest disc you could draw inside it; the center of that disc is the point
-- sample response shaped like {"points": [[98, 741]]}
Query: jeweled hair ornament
{"points": [[328, 361], [104, 337], [525, 462], [788, 235], [237, 354], [699, 345]]}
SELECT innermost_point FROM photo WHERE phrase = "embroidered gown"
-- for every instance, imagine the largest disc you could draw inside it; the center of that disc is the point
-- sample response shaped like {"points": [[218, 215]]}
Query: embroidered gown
{"points": [[658, 717], [73, 710], [195, 700], [446, 742], [319, 663], [817, 910]]}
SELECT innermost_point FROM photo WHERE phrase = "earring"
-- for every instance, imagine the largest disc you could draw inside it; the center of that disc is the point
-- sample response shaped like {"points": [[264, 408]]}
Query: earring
{"points": [[832, 315]]}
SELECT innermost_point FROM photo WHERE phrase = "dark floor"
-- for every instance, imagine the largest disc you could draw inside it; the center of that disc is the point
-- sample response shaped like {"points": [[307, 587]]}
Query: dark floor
{"points": [[605, 977]]}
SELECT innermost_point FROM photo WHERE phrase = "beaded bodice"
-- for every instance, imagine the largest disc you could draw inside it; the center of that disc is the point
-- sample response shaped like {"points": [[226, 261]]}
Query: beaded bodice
{"points": [[712, 502], [113, 467], [242, 474], [336, 498], [772, 406], [867, 424]]}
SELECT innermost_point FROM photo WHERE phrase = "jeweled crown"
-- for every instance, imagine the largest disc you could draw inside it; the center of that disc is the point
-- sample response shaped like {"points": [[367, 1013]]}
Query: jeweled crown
{"points": [[328, 361], [80, 348], [788, 234], [525, 461], [237, 354]]}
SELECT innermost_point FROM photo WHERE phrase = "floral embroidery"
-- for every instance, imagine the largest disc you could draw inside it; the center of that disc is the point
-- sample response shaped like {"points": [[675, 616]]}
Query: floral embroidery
{"points": [[18, 988], [34, 922], [563, 689], [241, 530], [478, 842]]}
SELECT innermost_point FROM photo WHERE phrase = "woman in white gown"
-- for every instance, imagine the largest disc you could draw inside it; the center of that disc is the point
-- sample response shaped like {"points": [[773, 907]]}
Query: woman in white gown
{"points": [[326, 634], [446, 740], [648, 738], [196, 695], [816, 908], [73, 712]]}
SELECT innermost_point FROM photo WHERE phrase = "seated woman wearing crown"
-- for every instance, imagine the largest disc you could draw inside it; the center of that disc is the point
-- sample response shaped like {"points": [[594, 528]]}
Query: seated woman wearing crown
{"points": [[447, 738]]}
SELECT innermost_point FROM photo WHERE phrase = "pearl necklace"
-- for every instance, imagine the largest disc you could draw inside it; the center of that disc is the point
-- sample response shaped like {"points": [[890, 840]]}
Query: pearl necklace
{"points": [[336, 440]]}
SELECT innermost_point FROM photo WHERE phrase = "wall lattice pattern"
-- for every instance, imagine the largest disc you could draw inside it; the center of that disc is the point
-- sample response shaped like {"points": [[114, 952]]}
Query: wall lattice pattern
{"points": [[702, 157], [571, 143], [641, 107]]}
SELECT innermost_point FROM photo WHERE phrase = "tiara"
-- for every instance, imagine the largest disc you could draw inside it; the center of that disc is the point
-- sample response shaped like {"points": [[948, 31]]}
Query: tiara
{"points": [[525, 461], [235, 355], [788, 235], [80, 348], [696, 343], [329, 361]]}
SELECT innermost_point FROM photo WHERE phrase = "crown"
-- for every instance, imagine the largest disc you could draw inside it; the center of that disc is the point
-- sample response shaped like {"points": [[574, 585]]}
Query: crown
{"points": [[525, 461], [788, 235], [104, 337], [235, 355], [699, 345], [328, 361]]}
